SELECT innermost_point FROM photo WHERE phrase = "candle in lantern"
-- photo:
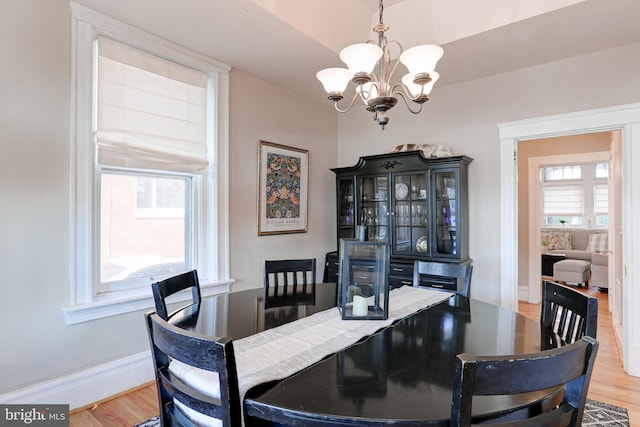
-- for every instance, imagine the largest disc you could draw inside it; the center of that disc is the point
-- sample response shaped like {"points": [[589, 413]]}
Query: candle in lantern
{"points": [[360, 306]]}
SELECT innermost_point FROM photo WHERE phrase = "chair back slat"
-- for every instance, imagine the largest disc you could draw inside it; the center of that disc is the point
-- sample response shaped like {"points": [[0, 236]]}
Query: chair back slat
{"points": [[289, 282], [568, 367], [171, 344], [165, 288], [568, 313]]}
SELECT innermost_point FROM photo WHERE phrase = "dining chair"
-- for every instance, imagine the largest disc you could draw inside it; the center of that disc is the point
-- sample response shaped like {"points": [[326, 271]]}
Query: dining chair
{"points": [[568, 367], [196, 376], [289, 282], [567, 312], [441, 276], [165, 288]]}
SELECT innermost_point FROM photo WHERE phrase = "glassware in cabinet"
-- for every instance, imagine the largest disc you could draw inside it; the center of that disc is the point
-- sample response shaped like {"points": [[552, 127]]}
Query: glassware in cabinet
{"points": [[446, 193], [410, 213], [374, 210], [346, 207]]}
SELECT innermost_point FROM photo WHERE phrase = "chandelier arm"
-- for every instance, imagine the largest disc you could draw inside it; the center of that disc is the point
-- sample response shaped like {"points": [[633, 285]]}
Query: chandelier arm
{"points": [[364, 94], [408, 94], [339, 110], [393, 63], [402, 95]]}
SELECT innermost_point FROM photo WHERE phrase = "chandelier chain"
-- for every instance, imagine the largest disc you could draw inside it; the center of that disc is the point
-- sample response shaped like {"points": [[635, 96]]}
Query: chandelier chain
{"points": [[380, 8]]}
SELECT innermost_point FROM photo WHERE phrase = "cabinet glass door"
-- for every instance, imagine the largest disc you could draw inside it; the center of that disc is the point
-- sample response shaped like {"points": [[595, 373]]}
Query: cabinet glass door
{"points": [[446, 194], [374, 207], [411, 217], [346, 218]]}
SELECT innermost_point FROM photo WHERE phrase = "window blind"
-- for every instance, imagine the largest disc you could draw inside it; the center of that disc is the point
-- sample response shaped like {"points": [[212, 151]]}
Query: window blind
{"points": [[563, 200], [150, 111], [601, 199]]}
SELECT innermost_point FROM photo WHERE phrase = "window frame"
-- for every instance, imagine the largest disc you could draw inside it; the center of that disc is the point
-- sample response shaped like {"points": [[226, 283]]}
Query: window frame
{"points": [[210, 207], [587, 183]]}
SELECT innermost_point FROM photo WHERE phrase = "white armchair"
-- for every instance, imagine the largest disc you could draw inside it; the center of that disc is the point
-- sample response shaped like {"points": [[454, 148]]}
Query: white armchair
{"points": [[600, 270]]}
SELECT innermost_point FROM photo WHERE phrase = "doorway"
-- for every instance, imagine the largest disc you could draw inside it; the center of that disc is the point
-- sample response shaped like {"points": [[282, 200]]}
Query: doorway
{"points": [[625, 118], [536, 153]]}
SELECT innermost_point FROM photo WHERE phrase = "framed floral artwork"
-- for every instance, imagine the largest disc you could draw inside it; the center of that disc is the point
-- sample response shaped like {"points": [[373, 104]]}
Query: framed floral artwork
{"points": [[283, 186]]}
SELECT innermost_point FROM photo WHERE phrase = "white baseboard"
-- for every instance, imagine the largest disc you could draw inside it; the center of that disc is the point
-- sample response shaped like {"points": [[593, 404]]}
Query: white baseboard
{"points": [[523, 293], [87, 386]]}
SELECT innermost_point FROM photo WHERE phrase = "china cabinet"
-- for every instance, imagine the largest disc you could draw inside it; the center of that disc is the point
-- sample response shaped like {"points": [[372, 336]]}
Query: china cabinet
{"points": [[418, 205]]}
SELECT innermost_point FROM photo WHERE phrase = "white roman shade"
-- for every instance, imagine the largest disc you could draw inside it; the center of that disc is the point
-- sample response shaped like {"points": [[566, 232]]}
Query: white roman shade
{"points": [[150, 111], [563, 200], [600, 199]]}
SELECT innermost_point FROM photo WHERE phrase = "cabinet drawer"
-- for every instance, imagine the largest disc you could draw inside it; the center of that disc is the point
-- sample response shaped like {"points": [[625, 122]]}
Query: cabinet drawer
{"points": [[397, 281], [448, 283], [399, 269]]}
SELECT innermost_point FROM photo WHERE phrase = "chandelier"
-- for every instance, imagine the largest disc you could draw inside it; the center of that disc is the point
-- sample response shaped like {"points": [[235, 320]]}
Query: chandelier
{"points": [[375, 88]]}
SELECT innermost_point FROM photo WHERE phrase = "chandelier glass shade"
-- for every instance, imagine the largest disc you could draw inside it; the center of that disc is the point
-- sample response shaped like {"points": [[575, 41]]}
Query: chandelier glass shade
{"points": [[371, 68]]}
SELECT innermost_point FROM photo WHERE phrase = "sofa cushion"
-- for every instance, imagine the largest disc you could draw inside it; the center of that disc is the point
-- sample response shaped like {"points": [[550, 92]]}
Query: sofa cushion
{"points": [[559, 240], [597, 242], [574, 254], [579, 238]]}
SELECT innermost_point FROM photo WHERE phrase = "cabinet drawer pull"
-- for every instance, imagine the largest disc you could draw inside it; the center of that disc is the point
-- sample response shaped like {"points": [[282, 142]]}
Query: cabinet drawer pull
{"points": [[435, 285], [397, 269], [406, 282]]}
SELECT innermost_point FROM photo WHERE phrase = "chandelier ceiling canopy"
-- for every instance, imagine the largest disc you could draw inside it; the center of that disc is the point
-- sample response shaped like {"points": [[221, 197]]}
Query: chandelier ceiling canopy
{"points": [[371, 69]]}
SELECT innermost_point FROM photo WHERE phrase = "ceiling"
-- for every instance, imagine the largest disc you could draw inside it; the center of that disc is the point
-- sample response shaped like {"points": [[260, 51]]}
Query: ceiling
{"points": [[286, 42]]}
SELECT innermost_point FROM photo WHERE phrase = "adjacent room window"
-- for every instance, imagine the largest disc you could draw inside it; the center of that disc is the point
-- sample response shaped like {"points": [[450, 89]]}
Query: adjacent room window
{"points": [[575, 195], [150, 175]]}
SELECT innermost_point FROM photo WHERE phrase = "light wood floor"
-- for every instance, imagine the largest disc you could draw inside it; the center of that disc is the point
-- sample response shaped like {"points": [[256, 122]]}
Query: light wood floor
{"points": [[609, 382]]}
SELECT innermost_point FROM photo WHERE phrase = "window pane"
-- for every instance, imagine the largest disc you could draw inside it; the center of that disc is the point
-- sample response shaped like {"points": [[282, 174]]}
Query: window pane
{"points": [[135, 245], [601, 170], [160, 197], [557, 173], [144, 193], [563, 220]]}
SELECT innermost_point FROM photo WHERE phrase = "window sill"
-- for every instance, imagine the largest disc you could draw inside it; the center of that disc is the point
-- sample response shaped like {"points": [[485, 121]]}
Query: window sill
{"points": [[126, 302]]}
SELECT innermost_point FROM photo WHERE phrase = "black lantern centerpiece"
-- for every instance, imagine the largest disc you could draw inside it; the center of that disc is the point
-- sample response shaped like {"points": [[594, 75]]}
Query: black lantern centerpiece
{"points": [[363, 283]]}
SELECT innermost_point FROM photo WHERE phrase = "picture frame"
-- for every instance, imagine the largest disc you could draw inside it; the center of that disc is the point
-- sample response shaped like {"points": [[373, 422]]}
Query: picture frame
{"points": [[283, 188]]}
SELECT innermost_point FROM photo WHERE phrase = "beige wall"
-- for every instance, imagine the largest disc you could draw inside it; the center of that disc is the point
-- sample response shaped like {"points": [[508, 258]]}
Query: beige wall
{"points": [[465, 116], [588, 143], [37, 344], [264, 112]]}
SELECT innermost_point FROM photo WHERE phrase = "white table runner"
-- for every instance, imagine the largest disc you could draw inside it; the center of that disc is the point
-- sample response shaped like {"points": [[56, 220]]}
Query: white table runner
{"points": [[277, 353]]}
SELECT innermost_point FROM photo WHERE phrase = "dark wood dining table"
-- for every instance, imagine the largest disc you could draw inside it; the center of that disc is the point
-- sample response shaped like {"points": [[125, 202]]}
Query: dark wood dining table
{"points": [[401, 375]]}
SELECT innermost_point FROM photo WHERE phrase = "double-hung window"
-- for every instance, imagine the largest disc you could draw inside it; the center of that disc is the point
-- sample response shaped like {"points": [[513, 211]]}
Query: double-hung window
{"points": [[149, 151], [575, 195]]}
